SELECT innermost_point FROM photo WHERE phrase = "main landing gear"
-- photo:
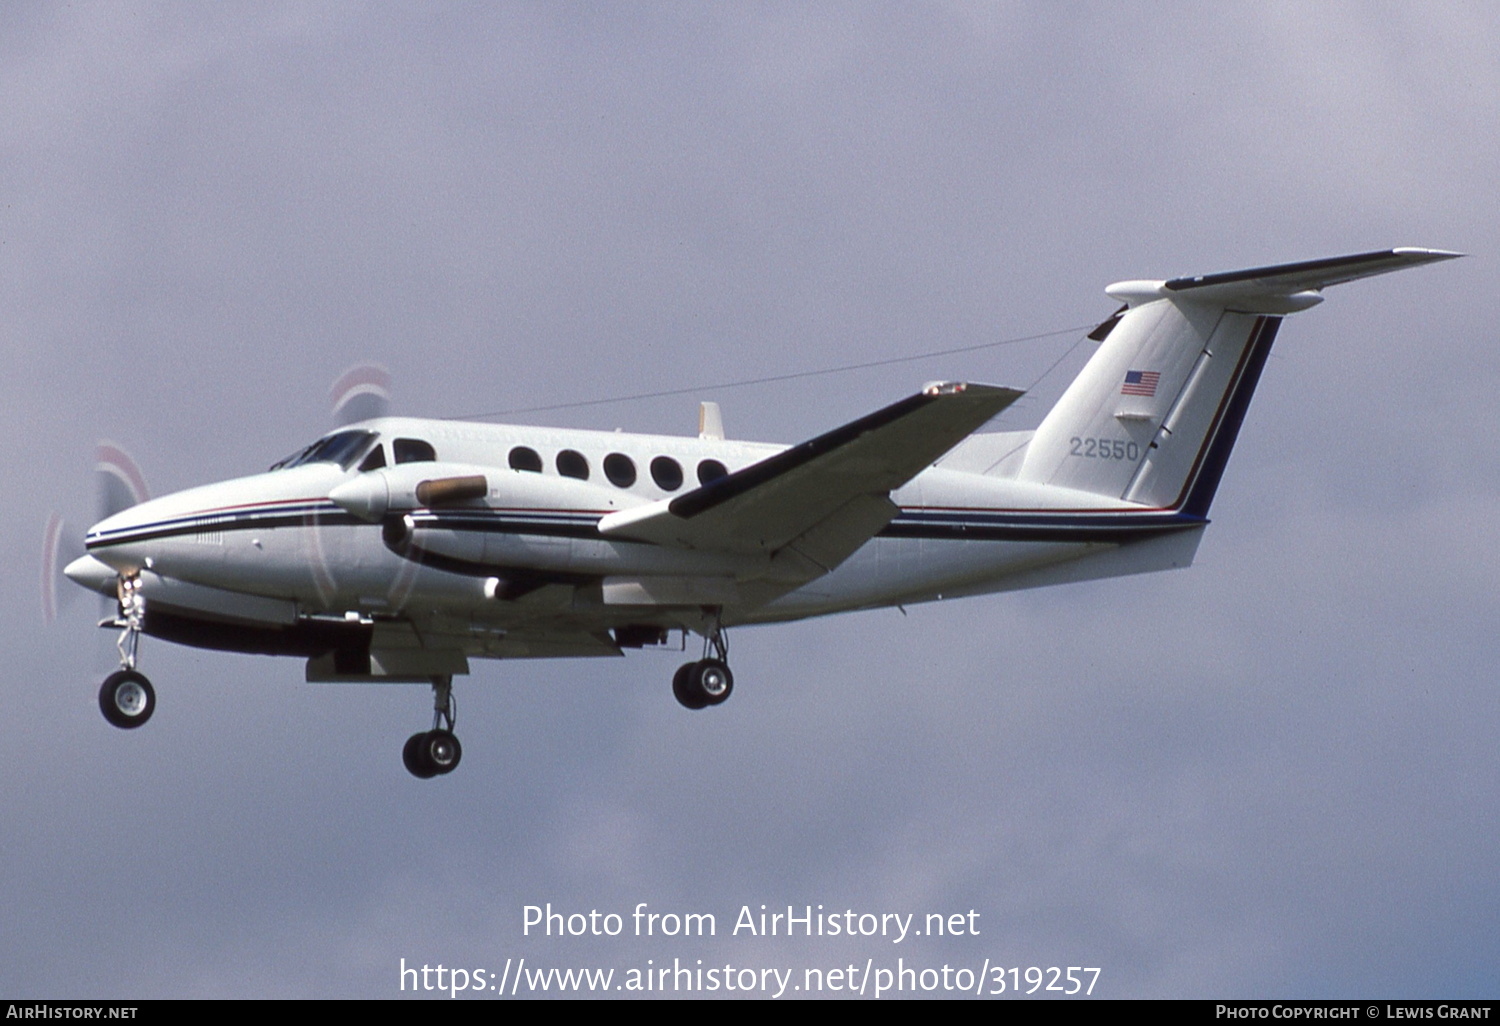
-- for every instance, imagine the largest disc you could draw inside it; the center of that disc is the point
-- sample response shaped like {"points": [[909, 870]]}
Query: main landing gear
{"points": [[436, 751], [126, 697], [708, 681]]}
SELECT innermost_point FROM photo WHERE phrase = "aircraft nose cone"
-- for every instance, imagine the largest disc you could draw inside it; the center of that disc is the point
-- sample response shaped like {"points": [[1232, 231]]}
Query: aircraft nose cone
{"points": [[92, 574]]}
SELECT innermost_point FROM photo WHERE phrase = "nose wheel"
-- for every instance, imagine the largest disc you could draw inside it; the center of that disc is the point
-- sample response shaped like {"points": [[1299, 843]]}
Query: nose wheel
{"points": [[127, 699], [435, 752]]}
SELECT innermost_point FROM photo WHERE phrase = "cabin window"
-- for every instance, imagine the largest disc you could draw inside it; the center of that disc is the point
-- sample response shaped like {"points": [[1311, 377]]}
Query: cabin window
{"points": [[525, 458], [667, 473], [620, 469], [571, 463], [375, 460], [413, 450], [711, 470]]}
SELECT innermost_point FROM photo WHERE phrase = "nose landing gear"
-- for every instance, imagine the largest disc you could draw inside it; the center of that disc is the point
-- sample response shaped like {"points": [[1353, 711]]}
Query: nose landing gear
{"points": [[437, 751], [126, 697]]}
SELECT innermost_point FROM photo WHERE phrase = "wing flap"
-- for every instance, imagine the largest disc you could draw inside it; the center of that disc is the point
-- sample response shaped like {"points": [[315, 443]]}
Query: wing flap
{"points": [[552, 643], [835, 538]]}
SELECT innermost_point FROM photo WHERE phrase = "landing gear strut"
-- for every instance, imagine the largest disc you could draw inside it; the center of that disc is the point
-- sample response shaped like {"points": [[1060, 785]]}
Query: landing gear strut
{"points": [[436, 751], [709, 680], [126, 697]]}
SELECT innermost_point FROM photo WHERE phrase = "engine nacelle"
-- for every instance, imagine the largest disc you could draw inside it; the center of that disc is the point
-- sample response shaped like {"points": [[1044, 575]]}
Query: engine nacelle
{"points": [[376, 494]]}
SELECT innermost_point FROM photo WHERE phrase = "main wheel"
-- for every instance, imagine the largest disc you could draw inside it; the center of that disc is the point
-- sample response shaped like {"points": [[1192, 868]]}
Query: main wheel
{"points": [[712, 679], [412, 756], [441, 750], [683, 690], [127, 699], [704, 683]]}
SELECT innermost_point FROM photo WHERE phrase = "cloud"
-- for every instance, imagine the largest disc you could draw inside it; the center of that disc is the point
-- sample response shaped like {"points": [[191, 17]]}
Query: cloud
{"points": [[1269, 774]]}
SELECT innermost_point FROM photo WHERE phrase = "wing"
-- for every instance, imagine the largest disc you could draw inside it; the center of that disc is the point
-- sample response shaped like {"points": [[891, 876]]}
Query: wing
{"points": [[824, 498]]}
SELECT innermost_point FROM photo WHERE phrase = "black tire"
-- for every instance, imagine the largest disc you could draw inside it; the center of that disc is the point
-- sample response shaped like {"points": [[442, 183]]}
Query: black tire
{"points": [[712, 680], [441, 751], [127, 699], [412, 756], [682, 688]]}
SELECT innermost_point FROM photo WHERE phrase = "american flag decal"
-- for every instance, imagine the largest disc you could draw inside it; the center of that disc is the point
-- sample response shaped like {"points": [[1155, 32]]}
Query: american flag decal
{"points": [[1140, 383]]}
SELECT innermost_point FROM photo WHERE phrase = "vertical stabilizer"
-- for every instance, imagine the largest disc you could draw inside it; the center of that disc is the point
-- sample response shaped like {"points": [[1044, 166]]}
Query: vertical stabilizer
{"points": [[1153, 415]]}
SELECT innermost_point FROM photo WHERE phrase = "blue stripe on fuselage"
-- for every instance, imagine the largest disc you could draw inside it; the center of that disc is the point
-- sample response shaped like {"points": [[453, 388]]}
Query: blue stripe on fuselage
{"points": [[916, 522]]}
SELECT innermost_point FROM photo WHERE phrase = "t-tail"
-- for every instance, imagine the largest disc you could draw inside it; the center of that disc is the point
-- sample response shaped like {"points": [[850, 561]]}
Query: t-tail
{"points": [[1153, 415]]}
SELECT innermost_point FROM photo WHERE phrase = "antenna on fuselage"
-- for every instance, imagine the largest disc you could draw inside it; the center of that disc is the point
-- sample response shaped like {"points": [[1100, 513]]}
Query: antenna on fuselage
{"points": [[710, 421]]}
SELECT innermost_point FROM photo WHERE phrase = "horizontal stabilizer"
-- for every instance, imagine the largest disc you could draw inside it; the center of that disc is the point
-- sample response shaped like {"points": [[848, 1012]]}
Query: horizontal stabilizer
{"points": [[1316, 274], [768, 505], [1279, 288]]}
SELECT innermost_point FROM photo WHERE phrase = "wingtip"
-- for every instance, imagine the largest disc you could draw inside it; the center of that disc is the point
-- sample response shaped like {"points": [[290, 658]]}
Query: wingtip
{"points": [[1423, 255], [973, 388]]}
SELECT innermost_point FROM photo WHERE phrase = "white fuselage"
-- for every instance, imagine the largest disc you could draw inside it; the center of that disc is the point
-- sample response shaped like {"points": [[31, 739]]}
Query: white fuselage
{"points": [[279, 536]]}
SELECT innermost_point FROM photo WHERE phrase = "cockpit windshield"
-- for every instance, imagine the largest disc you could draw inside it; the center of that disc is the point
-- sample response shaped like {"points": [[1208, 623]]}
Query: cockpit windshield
{"points": [[342, 448]]}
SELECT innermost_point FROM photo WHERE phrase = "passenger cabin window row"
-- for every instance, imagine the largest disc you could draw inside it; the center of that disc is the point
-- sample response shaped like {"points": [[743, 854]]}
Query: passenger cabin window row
{"points": [[618, 468], [345, 447]]}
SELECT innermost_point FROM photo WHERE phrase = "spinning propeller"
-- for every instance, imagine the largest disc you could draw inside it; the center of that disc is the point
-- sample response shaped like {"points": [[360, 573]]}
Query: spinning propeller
{"points": [[362, 392], [119, 485]]}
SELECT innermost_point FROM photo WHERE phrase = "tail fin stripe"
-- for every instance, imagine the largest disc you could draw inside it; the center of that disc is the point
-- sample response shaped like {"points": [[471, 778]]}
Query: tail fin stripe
{"points": [[1203, 480]]}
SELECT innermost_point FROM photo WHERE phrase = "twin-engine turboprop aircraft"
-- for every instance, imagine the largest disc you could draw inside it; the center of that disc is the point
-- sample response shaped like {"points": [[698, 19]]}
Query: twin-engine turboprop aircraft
{"points": [[397, 549]]}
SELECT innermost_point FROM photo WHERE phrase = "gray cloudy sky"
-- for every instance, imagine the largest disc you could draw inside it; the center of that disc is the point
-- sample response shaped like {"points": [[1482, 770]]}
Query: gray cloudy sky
{"points": [[1273, 774]]}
